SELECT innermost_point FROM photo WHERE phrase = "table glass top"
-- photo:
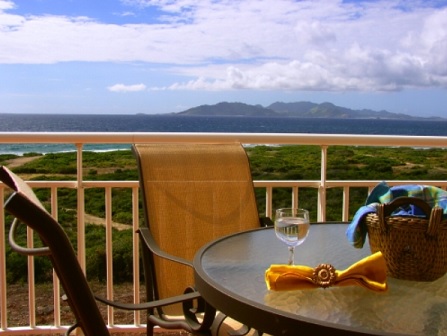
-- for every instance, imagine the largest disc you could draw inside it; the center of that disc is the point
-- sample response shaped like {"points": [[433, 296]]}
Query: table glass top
{"points": [[238, 265]]}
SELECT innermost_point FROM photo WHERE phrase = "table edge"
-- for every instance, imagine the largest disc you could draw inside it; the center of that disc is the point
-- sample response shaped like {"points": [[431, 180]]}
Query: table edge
{"points": [[250, 313]]}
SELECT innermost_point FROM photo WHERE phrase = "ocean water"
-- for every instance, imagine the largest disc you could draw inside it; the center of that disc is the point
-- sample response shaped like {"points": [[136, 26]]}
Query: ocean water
{"points": [[179, 123]]}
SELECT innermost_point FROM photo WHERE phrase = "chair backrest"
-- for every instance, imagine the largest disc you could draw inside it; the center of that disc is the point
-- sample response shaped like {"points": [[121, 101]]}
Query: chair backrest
{"points": [[25, 206], [192, 194]]}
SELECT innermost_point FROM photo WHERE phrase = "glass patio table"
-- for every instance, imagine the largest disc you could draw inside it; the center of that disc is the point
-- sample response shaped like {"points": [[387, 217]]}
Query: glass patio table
{"points": [[229, 273]]}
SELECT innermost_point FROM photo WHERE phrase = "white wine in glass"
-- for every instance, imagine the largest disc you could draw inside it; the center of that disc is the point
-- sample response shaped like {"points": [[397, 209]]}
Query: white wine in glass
{"points": [[292, 227]]}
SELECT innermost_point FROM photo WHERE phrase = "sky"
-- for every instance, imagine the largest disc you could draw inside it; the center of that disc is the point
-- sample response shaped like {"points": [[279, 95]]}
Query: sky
{"points": [[164, 56]]}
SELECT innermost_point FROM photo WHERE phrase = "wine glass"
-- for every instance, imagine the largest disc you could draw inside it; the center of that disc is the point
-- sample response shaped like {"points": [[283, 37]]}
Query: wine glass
{"points": [[292, 227]]}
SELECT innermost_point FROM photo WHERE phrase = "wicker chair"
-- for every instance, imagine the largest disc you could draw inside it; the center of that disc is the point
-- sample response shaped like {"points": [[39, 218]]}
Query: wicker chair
{"points": [[25, 206], [192, 194]]}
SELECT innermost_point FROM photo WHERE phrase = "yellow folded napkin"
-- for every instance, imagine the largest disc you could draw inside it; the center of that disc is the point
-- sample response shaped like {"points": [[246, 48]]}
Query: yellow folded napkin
{"points": [[369, 272]]}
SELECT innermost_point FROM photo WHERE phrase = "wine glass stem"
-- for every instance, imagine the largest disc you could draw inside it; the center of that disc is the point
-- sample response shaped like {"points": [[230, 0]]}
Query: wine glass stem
{"points": [[291, 255]]}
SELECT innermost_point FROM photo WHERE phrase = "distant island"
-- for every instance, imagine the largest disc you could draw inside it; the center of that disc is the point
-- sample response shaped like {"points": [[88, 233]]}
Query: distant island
{"points": [[298, 110]]}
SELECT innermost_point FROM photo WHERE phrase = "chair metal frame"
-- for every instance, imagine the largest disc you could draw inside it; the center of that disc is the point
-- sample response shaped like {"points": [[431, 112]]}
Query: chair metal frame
{"points": [[151, 248]]}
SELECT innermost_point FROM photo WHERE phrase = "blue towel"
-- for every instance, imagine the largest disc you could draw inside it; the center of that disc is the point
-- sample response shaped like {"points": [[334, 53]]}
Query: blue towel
{"points": [[381, 194]]}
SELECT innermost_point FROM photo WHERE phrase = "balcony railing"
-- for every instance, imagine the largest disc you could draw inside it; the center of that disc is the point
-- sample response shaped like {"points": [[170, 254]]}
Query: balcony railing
{"points": [[323, 141]]}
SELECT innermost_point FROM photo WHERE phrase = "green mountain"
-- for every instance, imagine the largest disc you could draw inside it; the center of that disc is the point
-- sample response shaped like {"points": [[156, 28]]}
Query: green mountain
{"points": [[297, 109], [329, 110], [230, 109]]}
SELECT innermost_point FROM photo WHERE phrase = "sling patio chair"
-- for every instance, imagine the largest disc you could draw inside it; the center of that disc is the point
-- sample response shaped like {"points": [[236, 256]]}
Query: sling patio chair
{"points": [[192, 194], [26, 208]]}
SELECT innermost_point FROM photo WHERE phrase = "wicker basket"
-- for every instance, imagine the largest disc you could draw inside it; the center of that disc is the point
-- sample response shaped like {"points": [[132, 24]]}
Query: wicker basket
{"points": [[414, 248]]}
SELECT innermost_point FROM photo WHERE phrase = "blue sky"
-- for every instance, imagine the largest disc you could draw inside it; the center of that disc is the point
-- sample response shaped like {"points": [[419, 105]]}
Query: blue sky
{"points": [[162, 56]]}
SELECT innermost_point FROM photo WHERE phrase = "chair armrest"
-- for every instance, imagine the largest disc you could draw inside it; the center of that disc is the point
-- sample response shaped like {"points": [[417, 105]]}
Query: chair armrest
{"points": [[189, 321], [35, 251], [152, 245], [152, 304]]}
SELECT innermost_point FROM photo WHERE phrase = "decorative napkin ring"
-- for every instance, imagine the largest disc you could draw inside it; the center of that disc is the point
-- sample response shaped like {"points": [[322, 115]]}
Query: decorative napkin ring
{"points": [[324, 275], [370, 272]]}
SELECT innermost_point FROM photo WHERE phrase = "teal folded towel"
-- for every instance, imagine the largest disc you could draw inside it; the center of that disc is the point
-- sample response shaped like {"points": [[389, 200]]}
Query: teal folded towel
{"points": [[382, 193]]}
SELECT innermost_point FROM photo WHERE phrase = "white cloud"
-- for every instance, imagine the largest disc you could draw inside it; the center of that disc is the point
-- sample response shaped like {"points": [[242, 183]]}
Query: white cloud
{"points": [[124, 14], [6, 4], [127, 88], [252, 44]]}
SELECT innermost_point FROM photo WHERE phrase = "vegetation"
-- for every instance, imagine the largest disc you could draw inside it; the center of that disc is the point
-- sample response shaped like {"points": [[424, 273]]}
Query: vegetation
{"points": [[267, 163]]}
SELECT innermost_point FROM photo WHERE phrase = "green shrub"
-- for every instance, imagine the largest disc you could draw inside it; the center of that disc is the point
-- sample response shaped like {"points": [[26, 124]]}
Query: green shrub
{"points": [[267, 162]]}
